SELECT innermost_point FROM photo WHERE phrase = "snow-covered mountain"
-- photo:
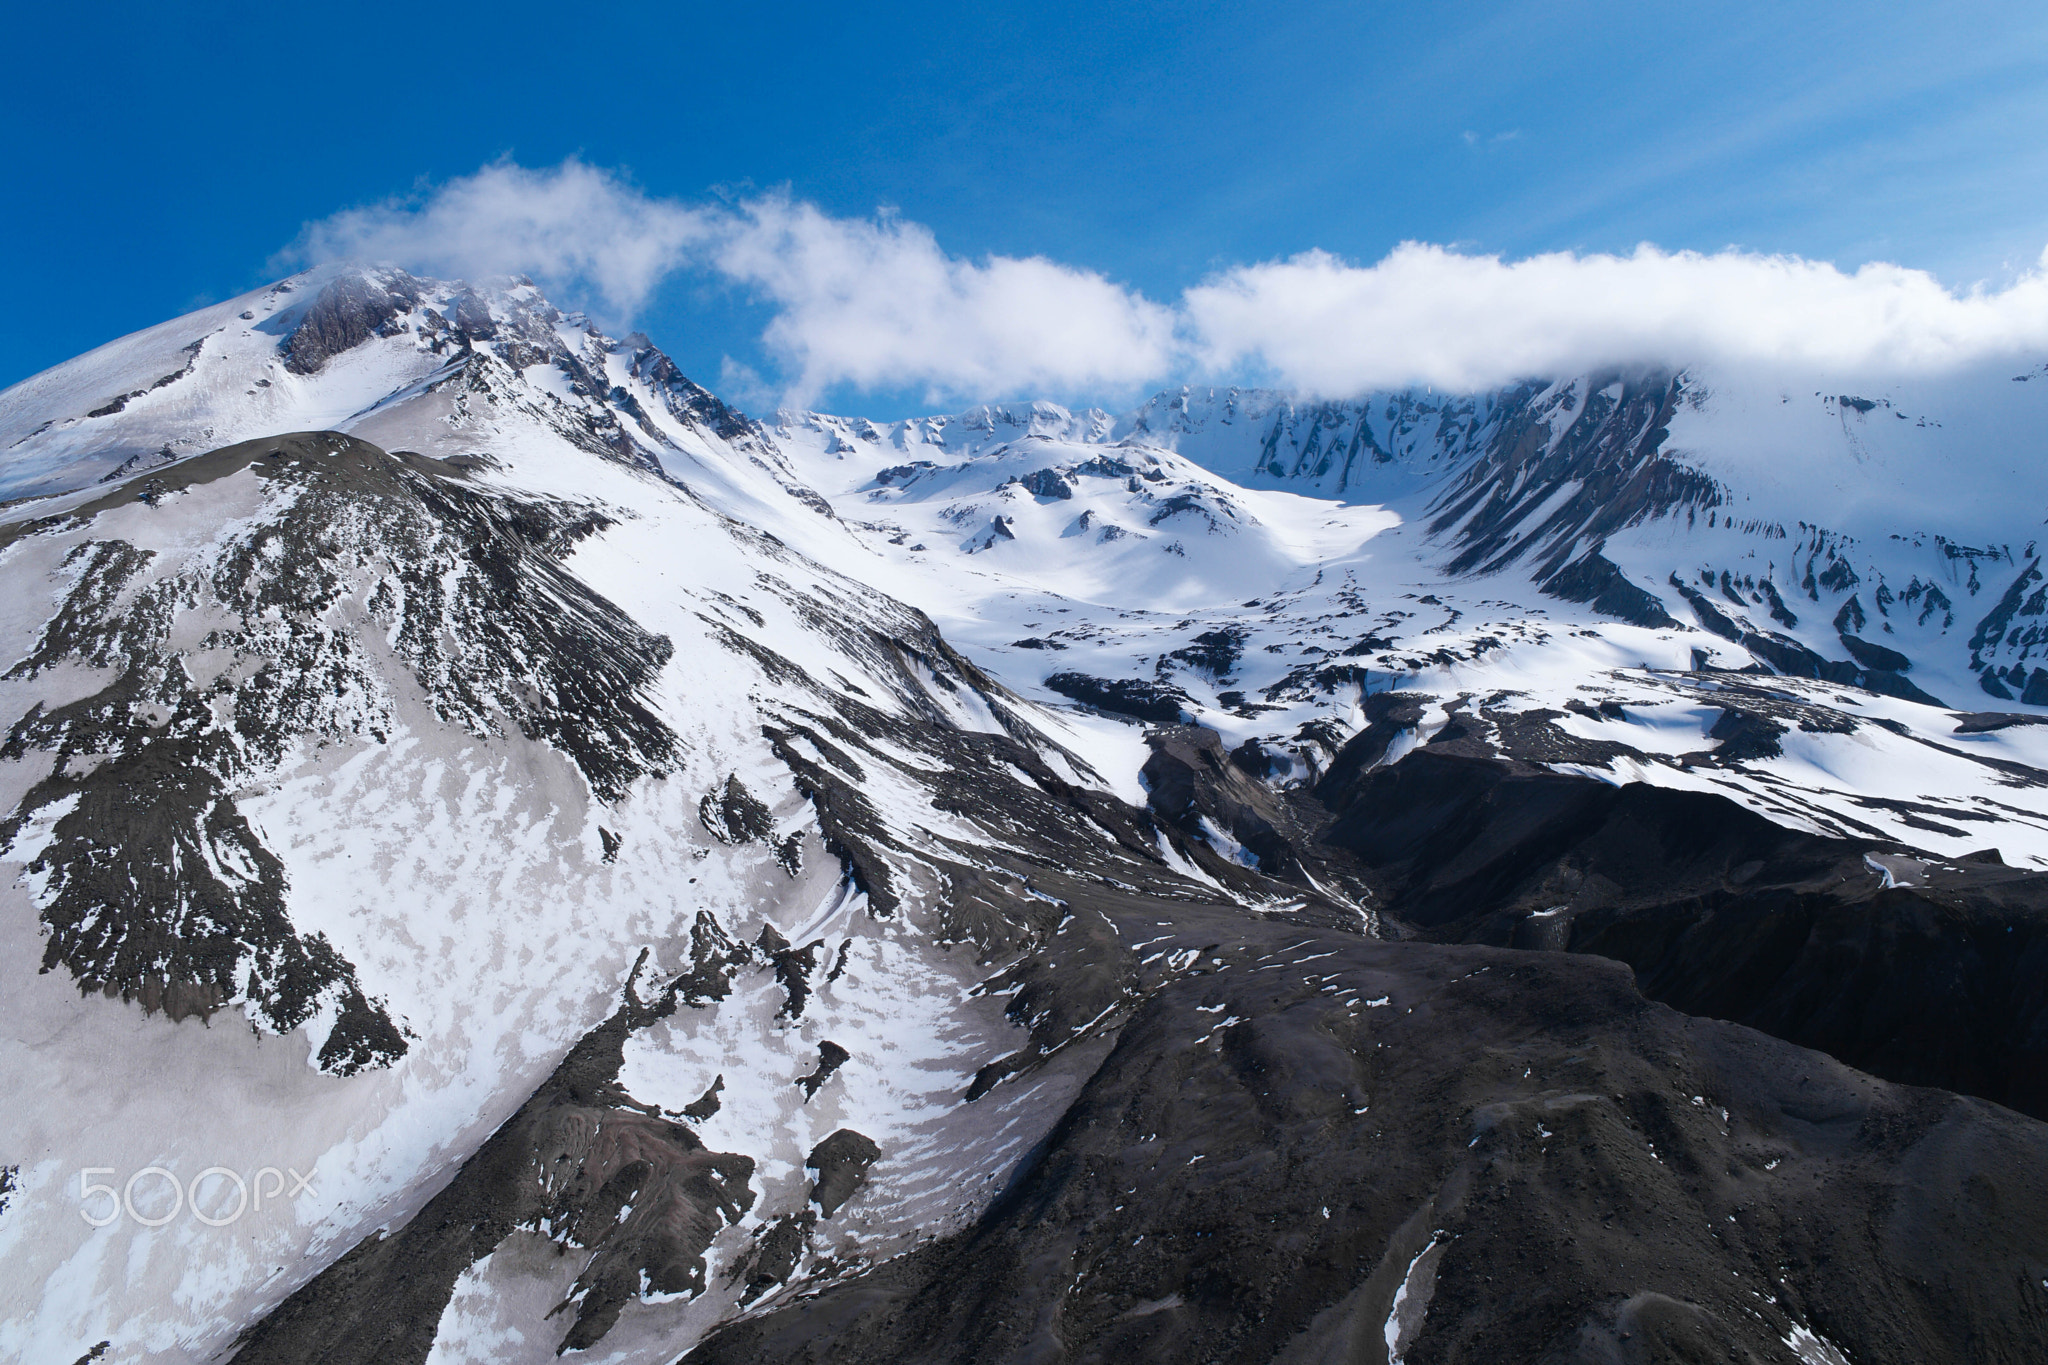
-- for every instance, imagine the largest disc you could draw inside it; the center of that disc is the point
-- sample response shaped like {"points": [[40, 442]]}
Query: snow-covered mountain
{"points": [[813, 887], [1893, 516]]}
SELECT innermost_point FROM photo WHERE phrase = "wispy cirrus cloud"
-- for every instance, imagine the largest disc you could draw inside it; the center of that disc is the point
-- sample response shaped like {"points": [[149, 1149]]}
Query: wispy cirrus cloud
{"points": [[877, 303]]}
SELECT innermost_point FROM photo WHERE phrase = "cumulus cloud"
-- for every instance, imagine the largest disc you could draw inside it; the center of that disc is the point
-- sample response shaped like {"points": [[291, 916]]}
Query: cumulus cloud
{"points": [[1426, 314], [574, 226], [879, 304], [873, 303]]}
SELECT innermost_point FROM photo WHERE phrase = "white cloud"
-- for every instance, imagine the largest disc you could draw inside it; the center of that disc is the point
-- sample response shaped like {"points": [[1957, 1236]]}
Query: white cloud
{"points": [[573, 226], [874, 303], [877, 303], [1425, 314]]}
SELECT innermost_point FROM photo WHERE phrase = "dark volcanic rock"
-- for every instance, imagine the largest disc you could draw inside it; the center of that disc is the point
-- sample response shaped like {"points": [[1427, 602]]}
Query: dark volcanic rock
{"points": [[473, 316], [1877, 668], [1944, 984], [1603, 469], [1189, 780], [1459, 840], [831, 1057], [1047, 483], [1599, 582], [777, 1254], [1721, 913], [1214, 651], [1892, 684], [1983, 722], [1780, 613], [1132, 697], [1388, 715], [157, 889], [581, 1158], [735, 815], [1745, 735], [120, 402], [794, 968], [1538, 1163], [841, 1162], [1991, 630], [344, 314], [714, 957], [706, 1104], [1294, 1125], [1875, 655]]}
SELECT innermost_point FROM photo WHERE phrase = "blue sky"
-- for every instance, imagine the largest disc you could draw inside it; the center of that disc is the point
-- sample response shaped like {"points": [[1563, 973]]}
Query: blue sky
{"points": [[162, 156]]}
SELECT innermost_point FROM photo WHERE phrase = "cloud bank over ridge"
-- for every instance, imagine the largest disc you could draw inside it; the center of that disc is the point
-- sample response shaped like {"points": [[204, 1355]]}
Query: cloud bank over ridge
{"points": [[879, 304]]}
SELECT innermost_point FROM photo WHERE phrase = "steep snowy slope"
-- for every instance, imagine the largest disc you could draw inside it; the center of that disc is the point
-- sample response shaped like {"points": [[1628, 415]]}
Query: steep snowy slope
{"points": [[909, 890], [400, 762], [1870, 531], [1905, 513], [1122, 574]]}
